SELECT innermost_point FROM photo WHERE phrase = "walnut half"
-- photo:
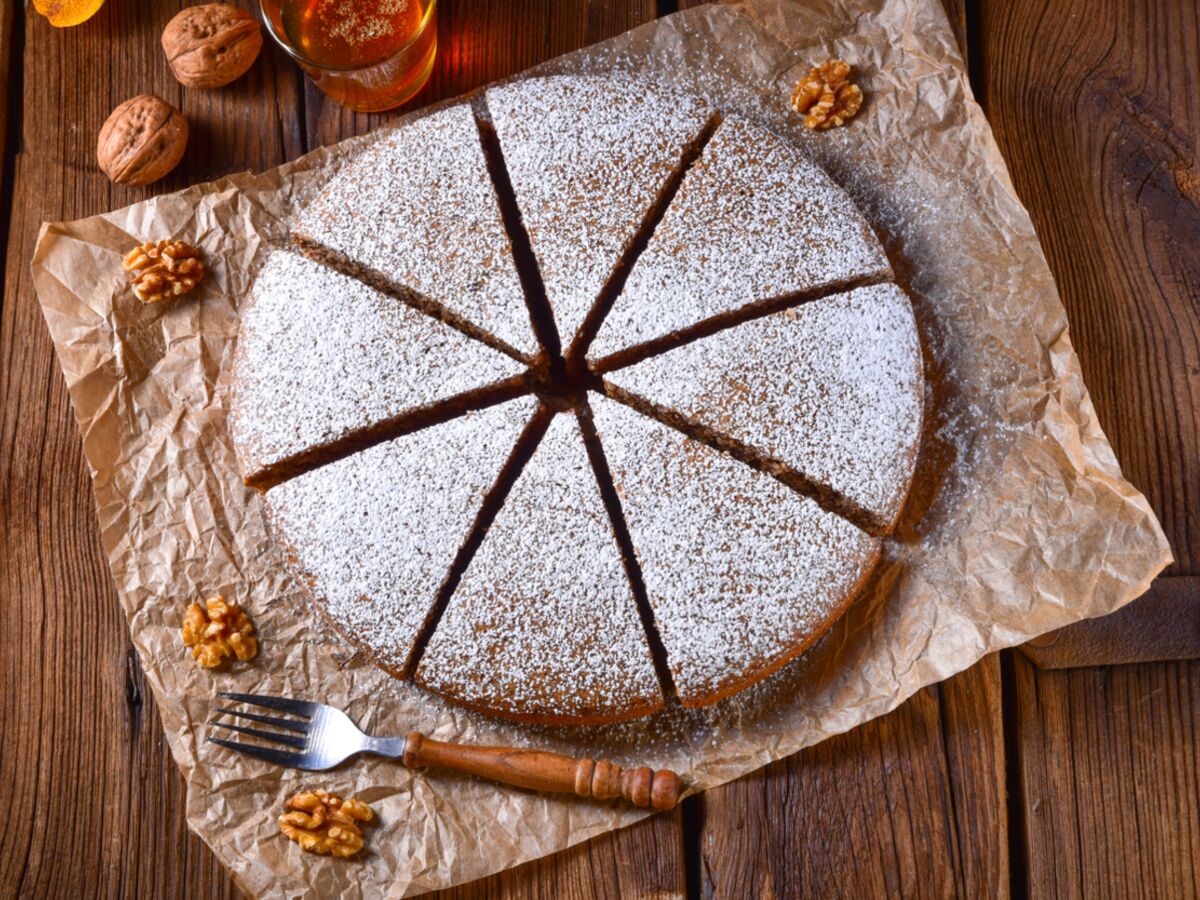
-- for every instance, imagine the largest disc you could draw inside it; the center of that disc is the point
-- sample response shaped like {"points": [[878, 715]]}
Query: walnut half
{"points": [[825, 97], [321, 822], [218, 631], [163, 269]]}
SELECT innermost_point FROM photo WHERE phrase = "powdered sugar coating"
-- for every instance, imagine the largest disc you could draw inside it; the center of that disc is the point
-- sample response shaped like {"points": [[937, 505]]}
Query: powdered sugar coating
{"points": [[740, 571], [373, 535], [588, 158], [418, 206], [753, 220], [543, 624], [834, 389], [321, 355]]}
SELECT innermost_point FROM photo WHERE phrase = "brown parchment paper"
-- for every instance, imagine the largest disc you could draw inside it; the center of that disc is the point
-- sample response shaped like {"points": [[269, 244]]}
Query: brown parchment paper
{"points": [[1020, 521]]}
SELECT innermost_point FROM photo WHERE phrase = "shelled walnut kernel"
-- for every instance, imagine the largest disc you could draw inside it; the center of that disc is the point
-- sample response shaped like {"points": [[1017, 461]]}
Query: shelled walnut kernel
{"points": [[162, 269], [321, 822], [825, 96], [218, 631]]}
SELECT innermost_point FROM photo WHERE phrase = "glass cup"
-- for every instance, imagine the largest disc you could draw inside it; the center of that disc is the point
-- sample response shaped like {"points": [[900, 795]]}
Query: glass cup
{"points": [[368, 83]]}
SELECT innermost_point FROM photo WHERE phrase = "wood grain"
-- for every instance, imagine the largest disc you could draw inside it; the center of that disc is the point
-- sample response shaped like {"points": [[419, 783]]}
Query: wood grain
{"points": [[542, 770], [1108, 764], [85, 758], [911, 804], [1101, 139]]}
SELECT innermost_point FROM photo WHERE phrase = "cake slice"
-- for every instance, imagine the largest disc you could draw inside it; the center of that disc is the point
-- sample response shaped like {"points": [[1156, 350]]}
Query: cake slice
{"points": [[741, 572], [417, 210], [831, 391], [372, 537], [323, 359], [589, 159], [753, 221], [543, 625]]}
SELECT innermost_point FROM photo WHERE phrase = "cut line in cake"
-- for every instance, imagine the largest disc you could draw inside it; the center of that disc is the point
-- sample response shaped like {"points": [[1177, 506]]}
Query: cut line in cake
{"points": [[325, 366], [754, 220], [567, 141], [541, 315], [526, 445], [384, 284], [356, 532], [637, 352], [821, 494], [828, 397], [415, 215], [560, 642], [612, 504], [316, 456], [742, 573]]}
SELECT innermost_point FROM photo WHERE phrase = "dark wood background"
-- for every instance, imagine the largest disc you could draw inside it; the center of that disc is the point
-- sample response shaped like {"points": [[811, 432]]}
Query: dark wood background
{"points": [[1008, 778]]}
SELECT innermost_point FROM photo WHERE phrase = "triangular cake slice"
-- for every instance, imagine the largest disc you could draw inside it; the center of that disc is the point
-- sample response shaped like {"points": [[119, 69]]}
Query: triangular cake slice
{"points": [[323, 358], [832, 391], [753, 221], [543, 625], [589, 159], [372, 537], [418, 209], [741, 572]]}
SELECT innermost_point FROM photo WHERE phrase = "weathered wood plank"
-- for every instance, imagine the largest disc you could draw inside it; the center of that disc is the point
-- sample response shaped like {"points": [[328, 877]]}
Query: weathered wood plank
{"points": [[1161, 625], [1102, 142], [645, 860], [911, 804], [1108, 759], [85, 758]]}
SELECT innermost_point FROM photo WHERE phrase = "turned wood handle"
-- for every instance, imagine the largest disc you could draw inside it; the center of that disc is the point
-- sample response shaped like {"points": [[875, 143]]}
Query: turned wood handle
{"points": [[543, 771]]}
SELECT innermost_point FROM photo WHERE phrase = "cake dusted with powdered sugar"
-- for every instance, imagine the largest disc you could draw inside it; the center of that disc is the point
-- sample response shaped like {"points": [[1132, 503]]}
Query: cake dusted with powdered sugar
{"points": [[372, 536], [740, 571], [832, 390], [321, 356], [652, 479], [417, 208], [543, 623], [754, 221], [589, 158]]}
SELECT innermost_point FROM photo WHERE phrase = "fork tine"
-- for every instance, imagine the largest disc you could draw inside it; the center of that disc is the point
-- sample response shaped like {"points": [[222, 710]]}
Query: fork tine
{"points": [[296, 742], [296, 725], [267, 754], [295, 707]]}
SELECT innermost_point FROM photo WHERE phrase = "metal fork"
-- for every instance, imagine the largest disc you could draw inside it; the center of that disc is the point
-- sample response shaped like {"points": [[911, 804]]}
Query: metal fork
{"points": [[323, 737]]}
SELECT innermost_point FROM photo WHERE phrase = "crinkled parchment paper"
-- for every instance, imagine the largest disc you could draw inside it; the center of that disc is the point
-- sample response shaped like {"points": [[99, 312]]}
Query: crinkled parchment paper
{"points": [[1020, 521]]}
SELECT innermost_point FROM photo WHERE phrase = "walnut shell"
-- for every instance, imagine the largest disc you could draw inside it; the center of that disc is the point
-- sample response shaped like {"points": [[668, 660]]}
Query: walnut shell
{"points": [[211, 45], [142, 140]]}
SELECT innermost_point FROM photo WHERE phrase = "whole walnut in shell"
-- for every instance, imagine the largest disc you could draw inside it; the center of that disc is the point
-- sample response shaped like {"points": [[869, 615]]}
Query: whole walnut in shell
{"points": [[211, 45], [142, 140]]}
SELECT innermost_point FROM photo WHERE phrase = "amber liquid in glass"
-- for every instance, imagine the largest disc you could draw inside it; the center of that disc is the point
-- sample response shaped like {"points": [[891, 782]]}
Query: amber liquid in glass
{"points": [[366, 54]]}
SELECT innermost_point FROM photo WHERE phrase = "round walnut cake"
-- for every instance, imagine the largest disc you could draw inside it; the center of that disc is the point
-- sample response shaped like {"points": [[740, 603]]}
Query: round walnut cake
{"points": [[580, 398]]}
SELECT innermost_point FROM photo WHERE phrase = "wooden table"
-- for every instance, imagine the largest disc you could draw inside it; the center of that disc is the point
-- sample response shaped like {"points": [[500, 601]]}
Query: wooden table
{"points": [[1009, 777]]}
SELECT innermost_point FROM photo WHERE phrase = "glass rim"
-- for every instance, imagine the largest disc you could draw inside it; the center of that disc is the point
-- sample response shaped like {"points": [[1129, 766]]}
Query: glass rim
{"points": [[304, 60]]}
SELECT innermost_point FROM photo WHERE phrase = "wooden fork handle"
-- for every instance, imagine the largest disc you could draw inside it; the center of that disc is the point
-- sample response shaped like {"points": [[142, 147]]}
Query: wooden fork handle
{"points": [[544, 771]]}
